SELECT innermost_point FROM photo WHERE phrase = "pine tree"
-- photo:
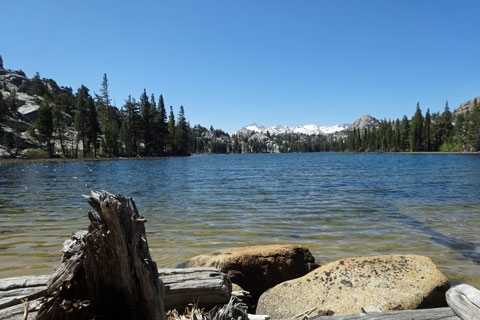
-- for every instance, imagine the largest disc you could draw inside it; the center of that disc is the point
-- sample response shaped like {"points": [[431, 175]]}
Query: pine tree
{"points": [[92, 127], [1, 62], [161, 125], [445, 125], [427, 132], [104, 91], [181, 134], [404, 134], [81, 118], [171, 132], [147, 122], [44, 124], [416, 131], [109, 120], [461, 130], [474, 127], [130, 128], [59, 127]]}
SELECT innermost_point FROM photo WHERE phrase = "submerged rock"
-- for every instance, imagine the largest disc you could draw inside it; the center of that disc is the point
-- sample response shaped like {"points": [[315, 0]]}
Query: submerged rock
{"points": [[378, 283], [258, 268]]}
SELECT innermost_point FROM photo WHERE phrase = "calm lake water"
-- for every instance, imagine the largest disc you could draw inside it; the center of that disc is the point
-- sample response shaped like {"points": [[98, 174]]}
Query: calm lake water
{"points": [[338, 205]]}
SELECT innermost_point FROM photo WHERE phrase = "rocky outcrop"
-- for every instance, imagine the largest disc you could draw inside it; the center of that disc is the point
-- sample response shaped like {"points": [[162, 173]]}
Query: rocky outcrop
{"points": [[353, 285], [258, 268], [466, 106], [366, 121]]}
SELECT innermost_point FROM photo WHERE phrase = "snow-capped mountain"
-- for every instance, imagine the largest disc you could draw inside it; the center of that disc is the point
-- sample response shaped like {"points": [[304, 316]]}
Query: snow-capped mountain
{"points": [[309, 129]]}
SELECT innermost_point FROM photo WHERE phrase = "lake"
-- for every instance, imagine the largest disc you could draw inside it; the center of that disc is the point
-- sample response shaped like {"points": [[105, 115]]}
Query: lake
{"points": [[337, 205]]}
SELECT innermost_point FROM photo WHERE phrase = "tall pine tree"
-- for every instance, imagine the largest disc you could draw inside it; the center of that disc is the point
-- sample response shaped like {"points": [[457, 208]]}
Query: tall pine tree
{"points": [[161, 125], [416, 130], [171, 132], [44, 124], [427, 132], [81, 118], [181, 134]]}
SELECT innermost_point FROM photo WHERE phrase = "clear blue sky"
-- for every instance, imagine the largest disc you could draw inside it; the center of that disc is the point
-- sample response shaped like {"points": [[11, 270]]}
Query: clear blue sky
{"points": [[231, 63]]}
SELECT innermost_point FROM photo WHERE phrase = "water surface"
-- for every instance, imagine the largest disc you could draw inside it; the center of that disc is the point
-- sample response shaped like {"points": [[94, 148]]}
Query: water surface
{"points": [[338, 205]]}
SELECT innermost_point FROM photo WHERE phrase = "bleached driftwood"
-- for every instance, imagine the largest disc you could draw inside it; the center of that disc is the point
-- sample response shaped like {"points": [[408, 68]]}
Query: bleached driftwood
{"points": [[464, 301], [421, 314], [106, 273], [206, 287]]}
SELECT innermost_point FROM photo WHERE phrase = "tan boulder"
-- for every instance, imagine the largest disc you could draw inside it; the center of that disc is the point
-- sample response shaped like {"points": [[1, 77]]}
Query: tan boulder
{"points": [[378, 283], [258, 268]]}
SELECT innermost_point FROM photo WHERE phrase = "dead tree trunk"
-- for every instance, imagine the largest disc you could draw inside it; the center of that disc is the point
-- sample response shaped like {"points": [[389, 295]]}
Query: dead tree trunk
{"points": [[106, 273]]}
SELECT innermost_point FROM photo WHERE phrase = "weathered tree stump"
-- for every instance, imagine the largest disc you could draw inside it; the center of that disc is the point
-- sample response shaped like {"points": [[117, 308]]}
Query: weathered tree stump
{"points": [[106, 273]]}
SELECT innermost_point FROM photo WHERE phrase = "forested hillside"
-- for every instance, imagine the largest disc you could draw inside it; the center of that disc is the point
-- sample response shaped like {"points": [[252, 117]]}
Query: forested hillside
{"points": [[39, 118]]}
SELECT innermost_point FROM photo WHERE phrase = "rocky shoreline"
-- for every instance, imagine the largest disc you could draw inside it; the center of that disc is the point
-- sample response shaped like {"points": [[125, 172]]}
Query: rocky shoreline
{"points": [[285, 281]]}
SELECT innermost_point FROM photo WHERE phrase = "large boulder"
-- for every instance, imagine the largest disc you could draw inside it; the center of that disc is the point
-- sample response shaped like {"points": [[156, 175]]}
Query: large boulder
{"points": [[378, 283], [258, 268]]}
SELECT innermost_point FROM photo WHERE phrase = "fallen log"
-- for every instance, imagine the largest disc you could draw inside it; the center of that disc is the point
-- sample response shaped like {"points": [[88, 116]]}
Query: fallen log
{"points": [[420, 314], [106, 273], [464, 301], [205, 287]]}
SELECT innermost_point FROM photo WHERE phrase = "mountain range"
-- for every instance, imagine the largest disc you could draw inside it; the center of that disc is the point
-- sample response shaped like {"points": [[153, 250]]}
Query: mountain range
{"points": [[311, 129]]}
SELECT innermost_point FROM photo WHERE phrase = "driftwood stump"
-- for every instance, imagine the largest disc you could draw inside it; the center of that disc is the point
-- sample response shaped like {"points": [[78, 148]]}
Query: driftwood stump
{"points": [[106, 273]]}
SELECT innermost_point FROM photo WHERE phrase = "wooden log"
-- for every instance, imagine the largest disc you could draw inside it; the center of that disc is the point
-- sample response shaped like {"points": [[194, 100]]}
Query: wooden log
{"points": [[14, 290], [207, 287], [420, 314], [464, 301], [107, 273], [17, 312]]}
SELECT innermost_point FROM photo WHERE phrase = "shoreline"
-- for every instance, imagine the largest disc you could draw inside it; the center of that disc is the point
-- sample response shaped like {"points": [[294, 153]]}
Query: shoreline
{"points": [[88, 159]]}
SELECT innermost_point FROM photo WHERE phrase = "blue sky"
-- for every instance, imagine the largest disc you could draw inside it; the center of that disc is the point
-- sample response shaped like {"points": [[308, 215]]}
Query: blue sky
{"points": [[231, 63]]}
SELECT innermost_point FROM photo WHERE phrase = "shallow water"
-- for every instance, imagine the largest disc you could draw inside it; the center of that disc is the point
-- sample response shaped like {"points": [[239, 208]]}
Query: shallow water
{"points": [[338, 205]]}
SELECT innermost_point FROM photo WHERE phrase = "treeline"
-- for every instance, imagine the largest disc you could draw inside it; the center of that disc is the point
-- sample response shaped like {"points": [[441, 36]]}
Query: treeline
{"points": [[82, 124], [139, 128], [432, 132]]}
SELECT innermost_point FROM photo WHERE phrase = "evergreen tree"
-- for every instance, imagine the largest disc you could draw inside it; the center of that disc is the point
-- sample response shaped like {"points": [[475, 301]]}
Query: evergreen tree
{"points": [[461, 130], [44, 124], [1, 62], [130, 128], [404, 134], [80, 122], [473, 134], [59, 127], [108, 119], [161, 127], [104, 91], [37, 86], [445, 125], [171, 132], [147, 114], [181, 134], [427, 132], [92, 126], [416, 130]]}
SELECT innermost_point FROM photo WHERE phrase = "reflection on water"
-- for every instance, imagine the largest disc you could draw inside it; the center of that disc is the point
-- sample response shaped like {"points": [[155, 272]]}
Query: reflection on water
{"points": [[337, 205]]}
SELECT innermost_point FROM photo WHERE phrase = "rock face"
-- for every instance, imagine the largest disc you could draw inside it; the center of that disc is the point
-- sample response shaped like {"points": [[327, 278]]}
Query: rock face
{"points": [[379, 283], [258, 268], [366, 121], [466, 106]]}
